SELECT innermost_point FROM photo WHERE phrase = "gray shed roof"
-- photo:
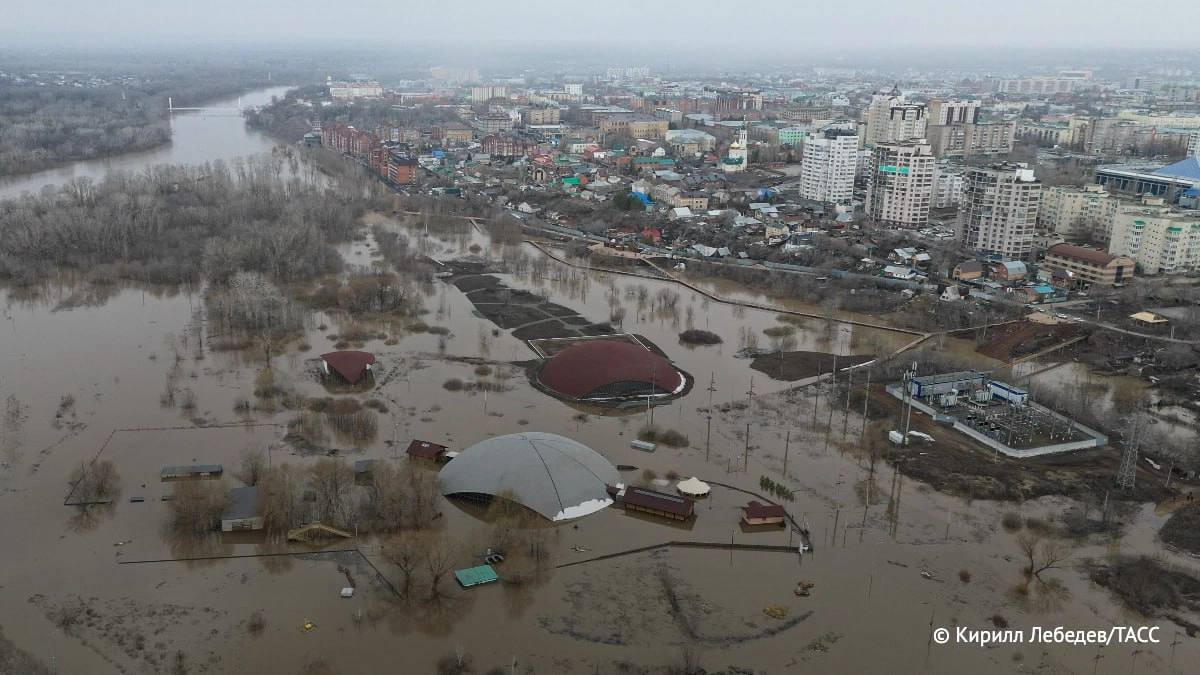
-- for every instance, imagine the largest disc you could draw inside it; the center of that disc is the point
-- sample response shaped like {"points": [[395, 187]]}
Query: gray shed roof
{"points": [[550, 474], [243, 504]]}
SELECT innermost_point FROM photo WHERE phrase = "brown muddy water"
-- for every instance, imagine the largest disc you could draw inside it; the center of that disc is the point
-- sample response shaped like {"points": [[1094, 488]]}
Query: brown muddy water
{"points": [[871, 609]]}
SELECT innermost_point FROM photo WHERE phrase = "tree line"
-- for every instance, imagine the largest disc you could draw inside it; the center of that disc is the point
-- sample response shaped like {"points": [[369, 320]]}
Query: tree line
{"points": [[179, 224]]}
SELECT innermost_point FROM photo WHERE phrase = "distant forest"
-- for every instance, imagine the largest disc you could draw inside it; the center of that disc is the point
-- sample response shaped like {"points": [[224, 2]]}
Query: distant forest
{"points": [[179, 224], [288, 119], [44, 126]]}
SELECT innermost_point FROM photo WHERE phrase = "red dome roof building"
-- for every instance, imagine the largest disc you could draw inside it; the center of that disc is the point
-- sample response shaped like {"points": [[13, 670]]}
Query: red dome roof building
{"points": [[601, 370]]}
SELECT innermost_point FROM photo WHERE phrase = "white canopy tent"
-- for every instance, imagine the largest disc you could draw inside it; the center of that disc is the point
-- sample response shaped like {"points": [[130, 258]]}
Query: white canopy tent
{"points": [[693, 487]]}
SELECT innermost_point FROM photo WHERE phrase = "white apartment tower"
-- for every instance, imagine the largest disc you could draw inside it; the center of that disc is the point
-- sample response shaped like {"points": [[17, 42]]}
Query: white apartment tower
{"points": [[890, 119], [1193, 149], [947, 186], [829, 161], [999, 209], [1161, 240], [900, 184], [1078, 212]]}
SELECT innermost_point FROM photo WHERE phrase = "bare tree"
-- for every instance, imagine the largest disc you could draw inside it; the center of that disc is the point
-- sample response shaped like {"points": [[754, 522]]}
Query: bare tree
{"points": [[94, 482], [332, 480], [406, 551], [252, 465], [440, 554], [1041, 554], [197, 505]]}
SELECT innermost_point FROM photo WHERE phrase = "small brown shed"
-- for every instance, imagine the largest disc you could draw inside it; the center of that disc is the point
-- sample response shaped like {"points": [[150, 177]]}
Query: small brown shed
{"points": [[756, 513]]}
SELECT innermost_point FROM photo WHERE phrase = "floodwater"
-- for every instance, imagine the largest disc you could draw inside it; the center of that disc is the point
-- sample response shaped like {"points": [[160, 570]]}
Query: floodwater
{"points": [[871, 607], [196, 138]]}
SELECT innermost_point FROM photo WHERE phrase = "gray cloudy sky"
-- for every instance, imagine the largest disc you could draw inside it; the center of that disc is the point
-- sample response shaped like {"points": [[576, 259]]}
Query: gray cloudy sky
{"points": [[782, 24]]}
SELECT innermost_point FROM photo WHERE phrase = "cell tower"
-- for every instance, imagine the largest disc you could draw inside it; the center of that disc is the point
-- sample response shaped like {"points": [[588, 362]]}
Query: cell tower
{"points": [[1135, 429]]}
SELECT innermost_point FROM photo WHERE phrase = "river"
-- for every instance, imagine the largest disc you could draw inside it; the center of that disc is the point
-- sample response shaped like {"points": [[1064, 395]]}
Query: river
{"points": [[196, 138]]}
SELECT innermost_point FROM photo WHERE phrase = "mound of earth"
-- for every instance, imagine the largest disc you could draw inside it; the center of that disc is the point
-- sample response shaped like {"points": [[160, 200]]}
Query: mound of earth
{"points": [[1017, 339], [1182, 529], [792, 366]]}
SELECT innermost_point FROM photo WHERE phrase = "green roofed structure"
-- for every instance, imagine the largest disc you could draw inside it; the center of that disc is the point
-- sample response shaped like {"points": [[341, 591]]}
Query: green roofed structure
{"points": [[474, 576]]}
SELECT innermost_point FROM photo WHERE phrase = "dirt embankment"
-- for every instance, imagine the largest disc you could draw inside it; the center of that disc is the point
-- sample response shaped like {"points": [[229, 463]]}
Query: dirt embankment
{"points": [[1015, 340], [1182, 529], [792, 366]]}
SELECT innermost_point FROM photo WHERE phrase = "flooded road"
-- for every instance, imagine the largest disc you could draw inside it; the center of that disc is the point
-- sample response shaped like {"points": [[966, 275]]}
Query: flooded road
{"points": [[90, 381]]}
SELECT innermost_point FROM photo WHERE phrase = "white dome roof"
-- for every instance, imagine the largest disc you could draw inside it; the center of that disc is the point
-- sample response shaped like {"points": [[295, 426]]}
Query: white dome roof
{"points": [[551, 474]]}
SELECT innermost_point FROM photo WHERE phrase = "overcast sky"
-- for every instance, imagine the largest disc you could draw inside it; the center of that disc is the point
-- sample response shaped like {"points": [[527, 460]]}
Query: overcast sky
{"points": [[697, 24]]}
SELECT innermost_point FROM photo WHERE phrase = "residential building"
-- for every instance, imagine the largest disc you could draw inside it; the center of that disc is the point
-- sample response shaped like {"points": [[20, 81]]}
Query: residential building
{"points": [[900, 184], [671, 115], [1193, 148], [357, 88], [954, 111], [998, 210], [485, 93], [505, 145], [1078, 212], [947, 186], [453, 132], [494, 123], [830, 158], [971, 140], [542, 115], [400, 170], [1161, 240], [968, 270], [890, 119], [793, 136], [696, 201], [1035, 85], [704, 141], [1089, 266]]}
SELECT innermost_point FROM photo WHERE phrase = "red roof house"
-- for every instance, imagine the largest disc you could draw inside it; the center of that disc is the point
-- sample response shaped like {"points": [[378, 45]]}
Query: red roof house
{"points": [[427, 450]]}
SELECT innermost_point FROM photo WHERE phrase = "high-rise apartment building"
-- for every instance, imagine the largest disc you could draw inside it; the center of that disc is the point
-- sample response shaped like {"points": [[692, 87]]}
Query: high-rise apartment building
{"points": [[891, 119], [954, 111], [1193, 149], [947, 186], [1078, 212], [955, 130], [998, 210], [828, 165], [1160, 239], [900, 184]]}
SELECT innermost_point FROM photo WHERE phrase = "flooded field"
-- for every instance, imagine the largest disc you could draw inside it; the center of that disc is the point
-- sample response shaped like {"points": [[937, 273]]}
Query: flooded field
{"points": [[90, 382]]}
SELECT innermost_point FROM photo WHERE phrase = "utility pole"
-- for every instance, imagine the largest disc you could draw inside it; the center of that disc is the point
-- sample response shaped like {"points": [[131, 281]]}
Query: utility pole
{"points": [[866, 397], [653, 384], [787, 444], [712, 386], [750, 414], [846, 410]]}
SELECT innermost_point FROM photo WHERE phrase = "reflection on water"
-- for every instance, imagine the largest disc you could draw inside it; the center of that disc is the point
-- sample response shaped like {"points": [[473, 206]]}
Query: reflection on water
{"points": [[195, 139]]}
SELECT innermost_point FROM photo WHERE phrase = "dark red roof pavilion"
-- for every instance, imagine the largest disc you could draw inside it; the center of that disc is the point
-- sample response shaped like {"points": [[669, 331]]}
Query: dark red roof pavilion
{"points": [[351, 365], [601, 369]]}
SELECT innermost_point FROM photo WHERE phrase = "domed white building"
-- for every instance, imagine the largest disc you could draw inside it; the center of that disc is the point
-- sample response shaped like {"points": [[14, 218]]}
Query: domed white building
{"points": [[555, 476]]}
